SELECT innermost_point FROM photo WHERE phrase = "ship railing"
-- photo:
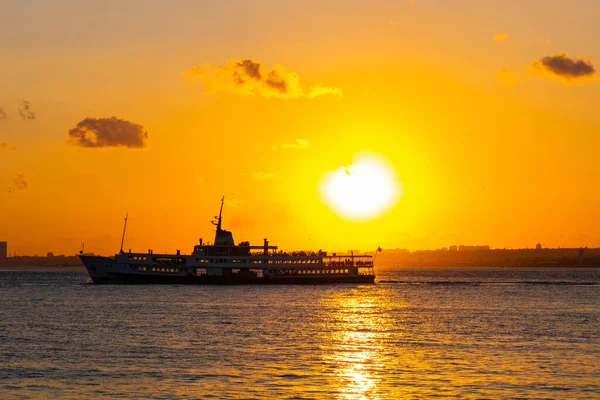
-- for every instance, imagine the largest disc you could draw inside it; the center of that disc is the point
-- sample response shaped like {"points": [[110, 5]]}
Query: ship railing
{"points": [[350, 263], [257, 261], [287, 254], [317, 261]]}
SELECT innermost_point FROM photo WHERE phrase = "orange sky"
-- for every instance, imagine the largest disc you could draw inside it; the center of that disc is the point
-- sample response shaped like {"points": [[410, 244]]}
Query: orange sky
{"points": [[486, 111]]}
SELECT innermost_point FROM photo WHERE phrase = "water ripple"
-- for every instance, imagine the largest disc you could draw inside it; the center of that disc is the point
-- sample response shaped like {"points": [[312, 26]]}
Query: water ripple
{"points": [[418, 334]]}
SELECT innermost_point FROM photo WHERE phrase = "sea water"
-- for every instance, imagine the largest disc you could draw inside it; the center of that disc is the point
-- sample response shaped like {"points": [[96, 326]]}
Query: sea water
{"points": [[418, 333]]}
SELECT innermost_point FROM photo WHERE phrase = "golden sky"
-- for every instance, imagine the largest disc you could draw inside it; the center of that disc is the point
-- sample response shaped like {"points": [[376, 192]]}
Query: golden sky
{"points": [[483, 112]]}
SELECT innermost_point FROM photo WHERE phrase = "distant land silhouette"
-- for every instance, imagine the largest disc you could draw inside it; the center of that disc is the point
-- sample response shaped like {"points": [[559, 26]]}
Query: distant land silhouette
{"points": [[48, 261], [454, 256], [483, 256]]}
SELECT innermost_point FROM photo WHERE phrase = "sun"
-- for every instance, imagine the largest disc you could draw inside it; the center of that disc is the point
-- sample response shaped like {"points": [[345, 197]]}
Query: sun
{"points": [[361, 191]]}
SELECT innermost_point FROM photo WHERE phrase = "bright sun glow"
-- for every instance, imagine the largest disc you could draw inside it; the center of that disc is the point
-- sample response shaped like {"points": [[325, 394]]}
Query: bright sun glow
{"points": [[363, 190]]}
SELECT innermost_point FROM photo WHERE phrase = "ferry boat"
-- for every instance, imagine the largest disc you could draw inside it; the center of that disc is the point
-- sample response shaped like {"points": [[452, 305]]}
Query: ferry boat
{"points": [[226, 263]]}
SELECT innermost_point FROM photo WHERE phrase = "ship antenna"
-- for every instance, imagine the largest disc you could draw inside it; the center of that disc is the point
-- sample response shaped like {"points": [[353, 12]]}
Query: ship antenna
{"points": [[124, 229], [218, 223]]}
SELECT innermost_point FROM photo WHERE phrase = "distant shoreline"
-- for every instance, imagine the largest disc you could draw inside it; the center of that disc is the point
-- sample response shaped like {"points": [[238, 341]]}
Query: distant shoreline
{"points": [[17, 268]]}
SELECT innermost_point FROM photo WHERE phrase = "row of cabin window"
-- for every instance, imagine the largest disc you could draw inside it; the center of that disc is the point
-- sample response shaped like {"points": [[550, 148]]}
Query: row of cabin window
{"points": [[159, 260], [245, 261], [156, 269], [310, 271], [169, 260]]}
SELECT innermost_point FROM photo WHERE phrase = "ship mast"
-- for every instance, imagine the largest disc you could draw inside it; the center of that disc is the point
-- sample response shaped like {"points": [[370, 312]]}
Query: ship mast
{"points": [[218, 223], [124, 229], [222, 237]]}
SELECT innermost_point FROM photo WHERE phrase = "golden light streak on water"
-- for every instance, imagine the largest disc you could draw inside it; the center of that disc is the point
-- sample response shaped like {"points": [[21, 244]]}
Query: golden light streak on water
{"points": [[359, 383], [356, 350]]}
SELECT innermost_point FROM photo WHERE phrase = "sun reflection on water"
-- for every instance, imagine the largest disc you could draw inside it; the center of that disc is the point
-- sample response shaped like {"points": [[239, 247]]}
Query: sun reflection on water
{"points": [[354, 347]]}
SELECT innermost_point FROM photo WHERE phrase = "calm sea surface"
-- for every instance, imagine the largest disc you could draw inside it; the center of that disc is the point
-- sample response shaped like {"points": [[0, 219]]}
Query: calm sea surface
{"points": [[421, 333]]}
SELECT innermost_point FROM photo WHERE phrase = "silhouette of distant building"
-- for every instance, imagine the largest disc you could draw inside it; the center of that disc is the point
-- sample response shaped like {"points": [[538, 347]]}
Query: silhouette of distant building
{"points": [[3, 250], [453, 248], [538, 246], [50, 254], [473, 248]]}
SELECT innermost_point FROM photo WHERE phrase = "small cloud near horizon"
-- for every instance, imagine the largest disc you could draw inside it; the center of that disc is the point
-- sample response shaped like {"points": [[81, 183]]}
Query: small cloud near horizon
{"points": [[499, 37], [108, 132], [299, 144], [565, 68], [25, 110], [250, 78]]}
